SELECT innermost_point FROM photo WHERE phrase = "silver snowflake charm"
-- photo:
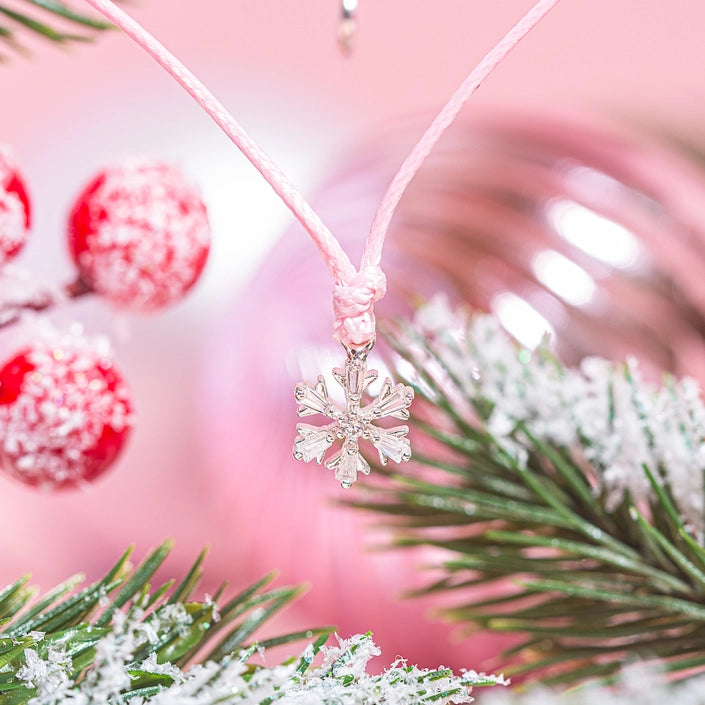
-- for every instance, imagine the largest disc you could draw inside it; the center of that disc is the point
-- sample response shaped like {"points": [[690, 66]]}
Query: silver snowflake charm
{"points": [[352, 422]]}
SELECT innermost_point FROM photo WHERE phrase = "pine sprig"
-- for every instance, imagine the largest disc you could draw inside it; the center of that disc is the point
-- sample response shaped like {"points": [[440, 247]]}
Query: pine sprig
{"points": [[117, 641], [636, 684], [71, 642], [570, 501], [49, 19]]}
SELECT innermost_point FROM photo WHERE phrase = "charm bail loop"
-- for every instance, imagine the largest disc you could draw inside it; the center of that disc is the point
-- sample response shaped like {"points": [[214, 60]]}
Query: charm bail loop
{"points": [[359, 352]]}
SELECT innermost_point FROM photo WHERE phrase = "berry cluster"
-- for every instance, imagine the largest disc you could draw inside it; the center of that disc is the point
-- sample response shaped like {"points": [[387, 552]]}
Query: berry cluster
{"points": [[139, 236]]}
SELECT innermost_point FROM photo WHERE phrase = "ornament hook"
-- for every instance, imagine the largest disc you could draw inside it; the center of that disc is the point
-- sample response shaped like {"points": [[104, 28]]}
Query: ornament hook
{"points": [[347, 26]]}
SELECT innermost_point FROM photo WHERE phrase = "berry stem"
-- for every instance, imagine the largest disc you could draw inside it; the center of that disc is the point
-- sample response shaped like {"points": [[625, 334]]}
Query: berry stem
{"points": [[11, 311]]}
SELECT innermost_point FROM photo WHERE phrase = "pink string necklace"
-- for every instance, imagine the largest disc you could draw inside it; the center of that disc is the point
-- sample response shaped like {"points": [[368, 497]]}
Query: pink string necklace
{"points": [[355, 291]]}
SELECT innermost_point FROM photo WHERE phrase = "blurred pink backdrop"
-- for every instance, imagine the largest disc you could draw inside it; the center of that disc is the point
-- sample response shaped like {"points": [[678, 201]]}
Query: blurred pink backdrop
{"points": [[276, 65]]}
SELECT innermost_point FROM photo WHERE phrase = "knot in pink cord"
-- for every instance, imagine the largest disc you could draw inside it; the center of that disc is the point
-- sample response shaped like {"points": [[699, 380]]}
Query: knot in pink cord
{"points": [[353, 304]]}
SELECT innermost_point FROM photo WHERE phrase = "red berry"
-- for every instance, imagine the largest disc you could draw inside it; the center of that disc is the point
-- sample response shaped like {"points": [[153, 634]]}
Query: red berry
{"points": [[14, 208], [139, 234], [65, 414]]}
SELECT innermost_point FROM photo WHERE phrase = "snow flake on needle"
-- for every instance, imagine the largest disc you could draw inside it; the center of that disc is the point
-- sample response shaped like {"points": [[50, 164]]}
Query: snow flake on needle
{"points": [[353, 421]]}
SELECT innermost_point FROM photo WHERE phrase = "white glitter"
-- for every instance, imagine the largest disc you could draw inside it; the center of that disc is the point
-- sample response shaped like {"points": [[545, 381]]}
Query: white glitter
{"points": [[62, 409], [149, 238], [341, 679], [602, 412]]}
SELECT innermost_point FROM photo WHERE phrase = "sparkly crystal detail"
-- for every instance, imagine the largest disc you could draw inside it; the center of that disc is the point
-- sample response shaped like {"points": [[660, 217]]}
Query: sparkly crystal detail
{"points": [[352, 421], [313, 442]]}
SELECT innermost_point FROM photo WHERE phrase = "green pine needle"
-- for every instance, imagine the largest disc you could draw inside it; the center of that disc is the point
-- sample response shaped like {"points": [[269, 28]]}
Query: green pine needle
{"points": [[73, 622], [532, 546], [49, 19]]}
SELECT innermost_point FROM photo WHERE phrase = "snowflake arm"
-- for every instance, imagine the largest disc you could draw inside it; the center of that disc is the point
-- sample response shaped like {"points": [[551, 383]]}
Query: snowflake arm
{"points": [[351, 422]]}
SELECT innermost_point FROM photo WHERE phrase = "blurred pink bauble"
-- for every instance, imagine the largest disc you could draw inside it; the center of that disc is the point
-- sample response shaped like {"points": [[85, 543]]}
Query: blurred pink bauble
{"points": [[593, 233]]}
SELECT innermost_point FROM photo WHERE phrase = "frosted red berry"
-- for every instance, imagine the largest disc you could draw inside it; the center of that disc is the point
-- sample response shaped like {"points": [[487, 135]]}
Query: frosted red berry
{"points": [[65, 414], [139, 234], [15, 214]]}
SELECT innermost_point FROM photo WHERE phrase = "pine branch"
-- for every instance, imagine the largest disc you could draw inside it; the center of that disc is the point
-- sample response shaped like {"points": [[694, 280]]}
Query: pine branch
{"points": [[118, 641], [64, 636], [49, 19], [636, 684], [570, 501]]}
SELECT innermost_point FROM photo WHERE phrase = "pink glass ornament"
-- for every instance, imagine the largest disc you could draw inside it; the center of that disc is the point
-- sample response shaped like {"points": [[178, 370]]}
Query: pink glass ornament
{"points": [[589, 232]]}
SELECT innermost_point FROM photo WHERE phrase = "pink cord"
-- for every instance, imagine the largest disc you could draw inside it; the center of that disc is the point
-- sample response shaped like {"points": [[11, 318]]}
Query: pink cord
{"points": [[355, 293], [375, 240], [333, 254]]}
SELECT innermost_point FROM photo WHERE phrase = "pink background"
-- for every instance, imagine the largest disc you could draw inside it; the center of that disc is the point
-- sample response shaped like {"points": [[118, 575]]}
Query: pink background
{"points": [[275, 64]]}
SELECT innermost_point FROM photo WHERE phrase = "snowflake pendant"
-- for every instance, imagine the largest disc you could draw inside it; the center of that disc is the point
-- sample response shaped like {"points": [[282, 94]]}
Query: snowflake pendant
{"points": [[354, 421]]}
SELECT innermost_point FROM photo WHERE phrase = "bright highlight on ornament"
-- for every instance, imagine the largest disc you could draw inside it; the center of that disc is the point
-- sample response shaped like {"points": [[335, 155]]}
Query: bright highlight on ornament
{"points": [[15, 215], [563, 277], [139, 234], [65, 414], [593, 185], [593, 233], [521, 319], [352, 422]]}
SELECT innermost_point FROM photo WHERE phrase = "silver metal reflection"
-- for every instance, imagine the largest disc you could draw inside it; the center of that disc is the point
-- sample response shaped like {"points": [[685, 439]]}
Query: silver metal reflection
{"points": [[353, 421]]}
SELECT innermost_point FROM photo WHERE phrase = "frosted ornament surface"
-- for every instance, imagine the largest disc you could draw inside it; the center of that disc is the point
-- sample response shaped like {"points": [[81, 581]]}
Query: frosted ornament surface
{"points": [[65, 414], [139, 234]]}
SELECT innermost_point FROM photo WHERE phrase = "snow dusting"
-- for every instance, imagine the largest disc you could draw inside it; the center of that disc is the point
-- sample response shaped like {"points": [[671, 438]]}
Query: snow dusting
{"points": [[340, 679], [602, 412], [64, 413], [638, 683], [140, 234]]}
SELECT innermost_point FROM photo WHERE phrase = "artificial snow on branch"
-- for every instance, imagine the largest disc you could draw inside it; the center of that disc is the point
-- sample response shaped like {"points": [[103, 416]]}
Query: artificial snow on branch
{"points": [[636, 684], [602, 411], [342, 676], [571, 500], [117, 641]]}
